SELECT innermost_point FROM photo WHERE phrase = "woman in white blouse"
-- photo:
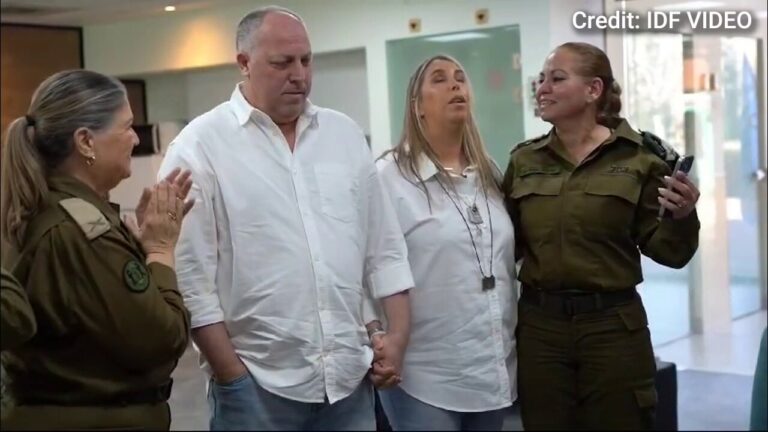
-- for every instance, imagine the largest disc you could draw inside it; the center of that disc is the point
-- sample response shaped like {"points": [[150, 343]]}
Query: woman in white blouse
{"points": [[459, 370]]}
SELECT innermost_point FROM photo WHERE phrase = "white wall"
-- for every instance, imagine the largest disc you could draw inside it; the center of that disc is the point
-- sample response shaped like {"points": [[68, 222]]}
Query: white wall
{"points": [[205, 38], [207, 88], [166, 97], [339, 82]]}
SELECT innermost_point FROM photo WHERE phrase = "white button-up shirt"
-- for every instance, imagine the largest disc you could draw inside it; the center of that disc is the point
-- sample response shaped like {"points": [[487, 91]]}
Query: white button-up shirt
{"points": [[284, 247], [462, 352]]}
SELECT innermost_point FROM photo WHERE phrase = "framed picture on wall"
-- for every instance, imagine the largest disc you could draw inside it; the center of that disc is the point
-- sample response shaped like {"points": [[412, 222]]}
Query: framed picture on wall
{"points": [[137, 97]]}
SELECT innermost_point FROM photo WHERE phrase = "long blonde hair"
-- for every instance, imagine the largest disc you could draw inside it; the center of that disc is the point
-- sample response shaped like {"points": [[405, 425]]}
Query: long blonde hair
{"points": [[40, 141], [413, 143]]}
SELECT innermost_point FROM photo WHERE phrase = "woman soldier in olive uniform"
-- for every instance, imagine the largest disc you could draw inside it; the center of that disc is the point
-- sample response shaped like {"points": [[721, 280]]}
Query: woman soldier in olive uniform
{"points": [[585, 202], [111, 323]]}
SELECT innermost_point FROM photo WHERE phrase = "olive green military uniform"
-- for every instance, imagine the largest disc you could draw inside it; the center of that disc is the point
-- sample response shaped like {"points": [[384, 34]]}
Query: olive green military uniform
{"points": [[110, 328], [584, 349], [18, 321]]}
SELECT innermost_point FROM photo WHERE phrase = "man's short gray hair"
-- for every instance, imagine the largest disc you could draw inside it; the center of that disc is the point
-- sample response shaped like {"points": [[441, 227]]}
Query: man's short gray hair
{"points": [[251, 22]]}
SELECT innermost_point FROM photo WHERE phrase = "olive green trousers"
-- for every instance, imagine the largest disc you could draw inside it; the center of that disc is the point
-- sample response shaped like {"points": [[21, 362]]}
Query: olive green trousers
{"points": [[586, 371]]}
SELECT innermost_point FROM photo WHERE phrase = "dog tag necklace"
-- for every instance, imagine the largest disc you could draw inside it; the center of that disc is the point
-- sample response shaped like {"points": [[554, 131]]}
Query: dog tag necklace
{"points": [[488, 282], [473, 213]]}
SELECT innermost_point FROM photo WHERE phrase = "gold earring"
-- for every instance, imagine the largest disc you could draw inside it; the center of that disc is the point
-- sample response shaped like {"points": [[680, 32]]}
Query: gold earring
{"points": [[90, 160]]}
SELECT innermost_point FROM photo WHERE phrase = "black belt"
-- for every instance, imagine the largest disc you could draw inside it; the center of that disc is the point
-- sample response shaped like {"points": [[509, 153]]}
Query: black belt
{"points": [[143, 397], [576, 302]]}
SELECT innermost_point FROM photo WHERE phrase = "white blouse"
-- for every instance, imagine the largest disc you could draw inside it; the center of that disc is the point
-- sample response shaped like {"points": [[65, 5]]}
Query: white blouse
{"points": [[462, 352]]}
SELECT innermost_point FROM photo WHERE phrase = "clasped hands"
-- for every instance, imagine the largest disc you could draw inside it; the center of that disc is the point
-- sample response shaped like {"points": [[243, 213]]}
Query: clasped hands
{"points": [[388, 351]]}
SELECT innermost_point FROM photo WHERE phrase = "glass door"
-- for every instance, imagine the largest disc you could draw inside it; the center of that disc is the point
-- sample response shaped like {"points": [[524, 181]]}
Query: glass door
{"points": [[741, 142], [654, 100], [704, 99]]}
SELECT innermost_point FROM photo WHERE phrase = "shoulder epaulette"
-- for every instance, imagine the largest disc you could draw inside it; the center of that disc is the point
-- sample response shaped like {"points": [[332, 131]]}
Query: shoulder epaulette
{"points": [[660, 148], [528, 142], [91, 221]]}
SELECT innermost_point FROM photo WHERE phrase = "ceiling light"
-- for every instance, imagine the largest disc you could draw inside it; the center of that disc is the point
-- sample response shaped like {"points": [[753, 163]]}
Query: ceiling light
{"points": [[457, 37], [170, 8]]}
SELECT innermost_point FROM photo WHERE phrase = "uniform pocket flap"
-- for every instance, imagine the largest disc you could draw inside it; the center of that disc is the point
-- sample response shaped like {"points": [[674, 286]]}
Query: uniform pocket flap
{"points": [[537, 185], [646, 397], [623, 186], [633, 315]]}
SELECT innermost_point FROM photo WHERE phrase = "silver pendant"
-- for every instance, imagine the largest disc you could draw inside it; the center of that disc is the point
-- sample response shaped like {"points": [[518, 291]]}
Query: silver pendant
{"points": [[474, 215]]}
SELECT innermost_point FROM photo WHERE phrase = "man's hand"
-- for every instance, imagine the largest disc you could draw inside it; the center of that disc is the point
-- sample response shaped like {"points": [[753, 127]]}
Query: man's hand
{"points": [[230, 373], [215, 344], [388, 350]]}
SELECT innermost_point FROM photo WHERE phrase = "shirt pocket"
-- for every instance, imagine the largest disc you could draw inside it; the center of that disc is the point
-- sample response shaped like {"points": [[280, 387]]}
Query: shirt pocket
{"points": [[337, 187], [611, 200], [537, 197]]}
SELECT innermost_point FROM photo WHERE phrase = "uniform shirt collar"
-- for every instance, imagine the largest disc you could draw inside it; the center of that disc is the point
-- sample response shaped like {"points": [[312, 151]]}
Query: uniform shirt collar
{"points": [[73, 187], [244, 111], [622, 130]]}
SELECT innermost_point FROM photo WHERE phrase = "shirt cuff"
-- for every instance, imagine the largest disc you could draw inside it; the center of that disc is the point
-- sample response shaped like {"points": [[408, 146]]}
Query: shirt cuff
{"points": [[682, 228], [390, 280], [204, 309]]}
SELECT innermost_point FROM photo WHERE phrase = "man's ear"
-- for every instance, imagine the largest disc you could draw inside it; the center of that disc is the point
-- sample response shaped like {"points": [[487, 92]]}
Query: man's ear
{"points": [[242, 63], [83, 140]]}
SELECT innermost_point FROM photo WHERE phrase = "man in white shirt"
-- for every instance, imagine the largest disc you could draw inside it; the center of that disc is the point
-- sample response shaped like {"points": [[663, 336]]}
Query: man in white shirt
{"points": [[291, 239]]}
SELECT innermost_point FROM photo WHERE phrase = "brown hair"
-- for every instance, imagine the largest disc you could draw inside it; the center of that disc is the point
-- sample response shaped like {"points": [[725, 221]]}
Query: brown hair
{"points": [[41, 140], [413, 144], [593, 62]]}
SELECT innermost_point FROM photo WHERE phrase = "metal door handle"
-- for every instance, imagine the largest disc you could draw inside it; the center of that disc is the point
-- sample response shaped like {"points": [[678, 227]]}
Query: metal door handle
{"points": [[759, 175]]}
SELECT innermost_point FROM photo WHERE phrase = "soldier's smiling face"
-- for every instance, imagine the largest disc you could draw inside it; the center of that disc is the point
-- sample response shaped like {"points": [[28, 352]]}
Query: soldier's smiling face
{"points": [[113, 146], [561, 92]]}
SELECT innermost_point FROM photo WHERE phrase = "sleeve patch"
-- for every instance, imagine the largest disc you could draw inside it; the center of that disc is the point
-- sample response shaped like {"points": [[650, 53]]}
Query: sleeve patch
{"points": [[135, 276]]}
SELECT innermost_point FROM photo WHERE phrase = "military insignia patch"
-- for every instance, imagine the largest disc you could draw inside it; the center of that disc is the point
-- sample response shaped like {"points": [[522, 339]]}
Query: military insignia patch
{"points": [[136, 276]]}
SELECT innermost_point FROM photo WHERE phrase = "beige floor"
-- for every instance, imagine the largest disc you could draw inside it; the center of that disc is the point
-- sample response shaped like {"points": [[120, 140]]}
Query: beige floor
{"points": [[730, 352]]}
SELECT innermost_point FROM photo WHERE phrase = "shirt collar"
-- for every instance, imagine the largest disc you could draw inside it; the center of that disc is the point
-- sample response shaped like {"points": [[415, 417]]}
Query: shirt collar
{"points": [[622, 130], [544, 142], [244, 111], [75, 188], [428, 169]]}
